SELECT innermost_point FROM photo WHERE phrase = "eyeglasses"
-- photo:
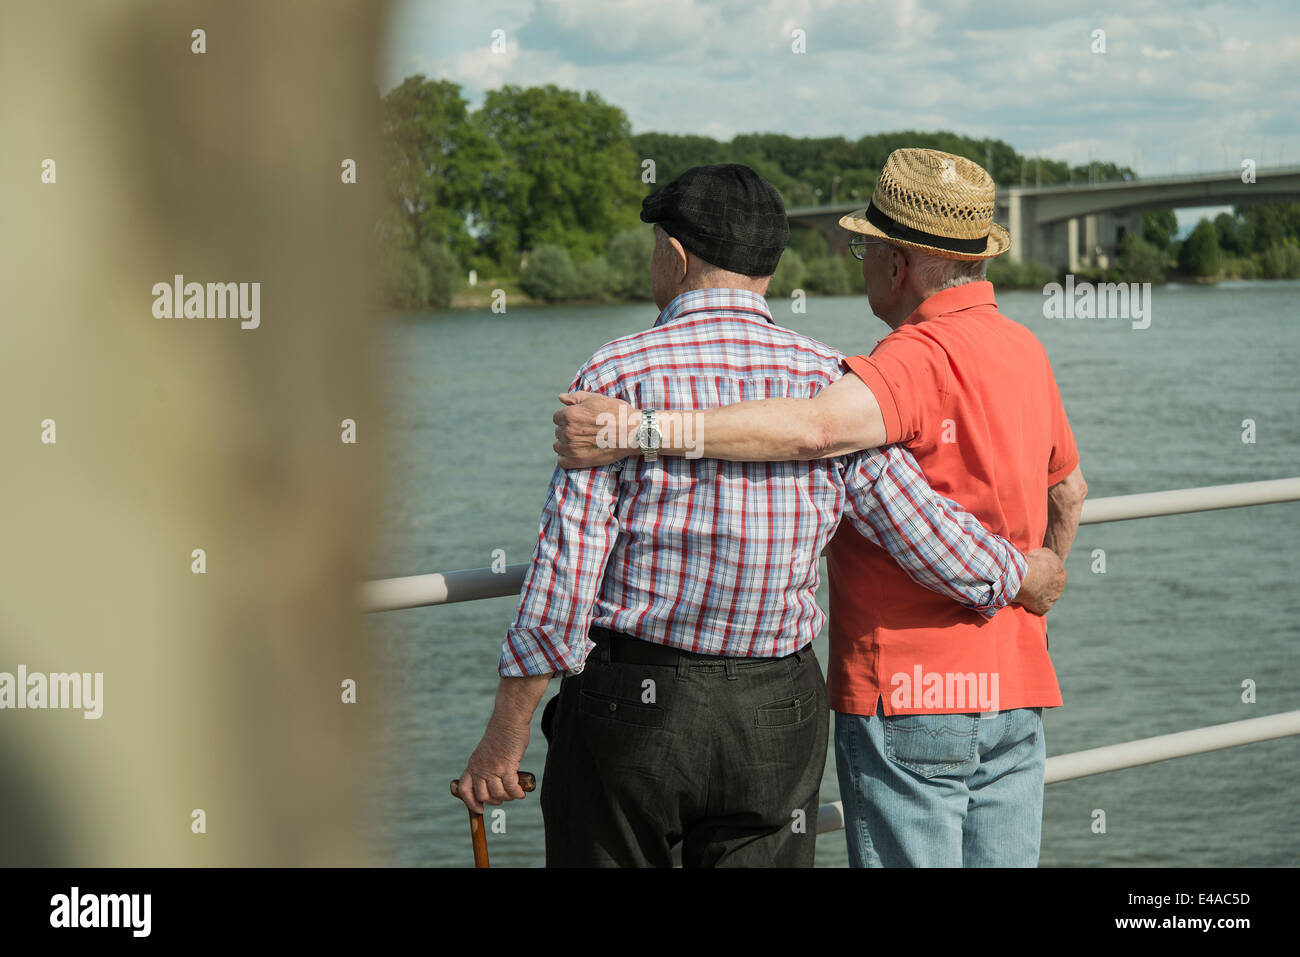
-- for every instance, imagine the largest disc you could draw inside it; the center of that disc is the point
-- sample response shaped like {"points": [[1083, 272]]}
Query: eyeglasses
{"points": [[859, 246]]}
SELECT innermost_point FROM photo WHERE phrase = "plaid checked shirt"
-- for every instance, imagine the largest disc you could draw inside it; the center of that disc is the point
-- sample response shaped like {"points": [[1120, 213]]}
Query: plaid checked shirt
{"points": [[716, 557]]}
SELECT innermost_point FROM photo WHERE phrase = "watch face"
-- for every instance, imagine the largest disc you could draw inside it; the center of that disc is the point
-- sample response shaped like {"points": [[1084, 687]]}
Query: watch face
{"points": [[647, 437]]}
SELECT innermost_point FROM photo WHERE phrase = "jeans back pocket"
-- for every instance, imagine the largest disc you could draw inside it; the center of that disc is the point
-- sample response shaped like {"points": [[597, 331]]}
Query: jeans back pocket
{"points": [[932, 744]]}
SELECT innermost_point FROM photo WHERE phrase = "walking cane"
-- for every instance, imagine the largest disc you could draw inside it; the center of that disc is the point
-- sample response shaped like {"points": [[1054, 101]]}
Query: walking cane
{"points": [[476, 833]]}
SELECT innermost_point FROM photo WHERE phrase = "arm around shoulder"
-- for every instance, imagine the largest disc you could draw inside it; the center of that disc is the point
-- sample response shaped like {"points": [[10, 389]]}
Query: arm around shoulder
{"points": [[846, 418]]}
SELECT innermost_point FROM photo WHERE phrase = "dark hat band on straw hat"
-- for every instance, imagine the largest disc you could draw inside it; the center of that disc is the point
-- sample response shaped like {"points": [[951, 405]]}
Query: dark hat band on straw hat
{"points": [[937, 202], [896, 230]]}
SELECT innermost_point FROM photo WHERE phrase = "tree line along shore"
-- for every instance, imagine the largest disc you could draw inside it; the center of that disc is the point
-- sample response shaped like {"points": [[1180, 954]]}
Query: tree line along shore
{"points": [[538, 193]]}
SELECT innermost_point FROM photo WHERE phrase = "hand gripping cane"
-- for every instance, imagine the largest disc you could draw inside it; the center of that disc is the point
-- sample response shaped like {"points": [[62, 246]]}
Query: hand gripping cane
{"points": [[476, 833]]}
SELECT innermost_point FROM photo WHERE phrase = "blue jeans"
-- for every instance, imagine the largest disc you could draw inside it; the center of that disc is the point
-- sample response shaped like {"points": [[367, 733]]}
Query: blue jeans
{"points": [[942, 790]]}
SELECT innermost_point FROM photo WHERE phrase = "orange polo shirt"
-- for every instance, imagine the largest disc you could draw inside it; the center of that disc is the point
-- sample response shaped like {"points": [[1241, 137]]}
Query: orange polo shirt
{"points": [[972, 396]]}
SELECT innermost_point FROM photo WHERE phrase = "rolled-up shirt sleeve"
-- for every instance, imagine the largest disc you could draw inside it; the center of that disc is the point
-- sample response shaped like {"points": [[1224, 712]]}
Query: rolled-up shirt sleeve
{"points": [[908, 373], [578, 530], [937, 542]]}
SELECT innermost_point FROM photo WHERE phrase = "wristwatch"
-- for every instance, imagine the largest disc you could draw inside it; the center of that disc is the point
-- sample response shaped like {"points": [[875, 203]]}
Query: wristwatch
{"points": [[648, 436]]}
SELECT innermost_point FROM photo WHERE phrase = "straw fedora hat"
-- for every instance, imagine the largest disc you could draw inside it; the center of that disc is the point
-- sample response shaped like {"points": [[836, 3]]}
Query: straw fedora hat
{"points": [[933, 201]]}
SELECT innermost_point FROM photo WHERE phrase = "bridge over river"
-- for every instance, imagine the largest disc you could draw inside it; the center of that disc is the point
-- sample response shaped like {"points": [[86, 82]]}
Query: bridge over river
{"points": [[1066, 226]]}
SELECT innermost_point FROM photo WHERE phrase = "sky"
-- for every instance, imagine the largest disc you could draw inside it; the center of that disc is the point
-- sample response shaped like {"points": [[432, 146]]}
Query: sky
{"points": [[1181, 87]]}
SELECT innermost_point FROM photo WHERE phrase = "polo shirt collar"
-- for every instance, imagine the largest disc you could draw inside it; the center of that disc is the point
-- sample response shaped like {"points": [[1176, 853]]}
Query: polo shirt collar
{"points": [[954, 299], [731, 303]]}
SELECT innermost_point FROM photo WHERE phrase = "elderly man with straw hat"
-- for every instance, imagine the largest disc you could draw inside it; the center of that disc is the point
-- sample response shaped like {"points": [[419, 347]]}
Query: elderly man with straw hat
{"points": [[938, 734]]}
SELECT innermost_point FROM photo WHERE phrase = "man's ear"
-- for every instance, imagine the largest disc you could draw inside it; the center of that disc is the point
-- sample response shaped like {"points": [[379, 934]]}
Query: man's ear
{"points": [[897, 269], [680, 264]]}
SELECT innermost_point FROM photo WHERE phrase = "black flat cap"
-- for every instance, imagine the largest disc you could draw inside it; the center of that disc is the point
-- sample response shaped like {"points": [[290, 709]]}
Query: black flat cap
{"points": [[727, 215]]}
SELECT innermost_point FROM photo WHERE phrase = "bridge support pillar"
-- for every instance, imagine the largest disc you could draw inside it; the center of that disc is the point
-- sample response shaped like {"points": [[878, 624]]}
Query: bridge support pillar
{"points": [[1072, 244], [1091, 241], [1018, 228]]}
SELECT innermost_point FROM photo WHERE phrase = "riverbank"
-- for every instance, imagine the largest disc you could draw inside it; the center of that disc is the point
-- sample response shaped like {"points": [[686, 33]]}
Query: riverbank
{"points": [[507, 293]]}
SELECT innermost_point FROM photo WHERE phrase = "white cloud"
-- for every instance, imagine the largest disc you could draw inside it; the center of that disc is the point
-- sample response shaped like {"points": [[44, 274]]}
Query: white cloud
{"points": [[1172, 86]]}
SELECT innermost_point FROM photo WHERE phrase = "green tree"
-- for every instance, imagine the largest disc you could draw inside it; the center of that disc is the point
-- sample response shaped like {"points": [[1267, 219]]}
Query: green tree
{"points": [[1225, 225], [570, 177], [809, 243], [1159, 228], [1280, 262], [1242, 267], [444, 270], [629, 258], [790, 274], [596, 279], [1269, 224], [798, 195], [434, 160], [1199, 255], [550, 274], [826, 276], [549, 167], [1139, 260], [810, 171], [1026, 274], [674, 154], [852, 269], [400, 279]]}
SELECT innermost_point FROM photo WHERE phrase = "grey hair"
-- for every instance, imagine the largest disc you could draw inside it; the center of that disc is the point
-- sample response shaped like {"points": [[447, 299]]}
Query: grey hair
{"points": [[934, 273]]}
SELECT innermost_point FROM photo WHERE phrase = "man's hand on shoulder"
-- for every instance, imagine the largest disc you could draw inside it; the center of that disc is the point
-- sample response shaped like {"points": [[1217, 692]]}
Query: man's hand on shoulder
{"points": [[1044, 582], [593, 429]]}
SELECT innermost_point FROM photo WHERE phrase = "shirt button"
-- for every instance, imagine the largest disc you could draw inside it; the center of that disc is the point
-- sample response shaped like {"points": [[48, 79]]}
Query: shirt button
{"points": [[612, 706]]}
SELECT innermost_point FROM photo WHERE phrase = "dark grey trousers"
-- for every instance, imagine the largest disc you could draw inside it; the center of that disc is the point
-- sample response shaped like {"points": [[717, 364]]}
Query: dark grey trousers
{"points": [[722, 755]]}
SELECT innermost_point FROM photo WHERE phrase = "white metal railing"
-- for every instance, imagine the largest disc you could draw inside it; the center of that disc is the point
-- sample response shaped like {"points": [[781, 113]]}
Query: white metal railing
{"points": [[444, 588], [1120, 508], [1131, 754], [472, 584], [1114, 757]]}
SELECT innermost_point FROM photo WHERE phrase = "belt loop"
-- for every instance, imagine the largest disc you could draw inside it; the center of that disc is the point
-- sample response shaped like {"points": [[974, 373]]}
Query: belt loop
{"points": [[603, 650], [731, 669]]}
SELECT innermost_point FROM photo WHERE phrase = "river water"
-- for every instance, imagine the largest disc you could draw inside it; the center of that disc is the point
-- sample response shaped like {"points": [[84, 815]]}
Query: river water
{"points": [[1187, 608]]}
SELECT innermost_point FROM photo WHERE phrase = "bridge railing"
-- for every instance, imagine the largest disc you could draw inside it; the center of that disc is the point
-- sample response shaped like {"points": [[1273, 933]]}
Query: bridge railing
{"points": [[1261, 172], [1232, 173]]}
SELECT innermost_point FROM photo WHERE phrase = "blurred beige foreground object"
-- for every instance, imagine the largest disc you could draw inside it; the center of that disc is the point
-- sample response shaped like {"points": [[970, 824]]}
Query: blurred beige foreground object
{"points": [[222, 691]]}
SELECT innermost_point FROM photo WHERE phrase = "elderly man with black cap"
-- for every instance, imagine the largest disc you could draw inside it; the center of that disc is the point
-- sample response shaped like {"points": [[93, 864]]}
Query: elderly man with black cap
{"points": [[676, 596]]}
